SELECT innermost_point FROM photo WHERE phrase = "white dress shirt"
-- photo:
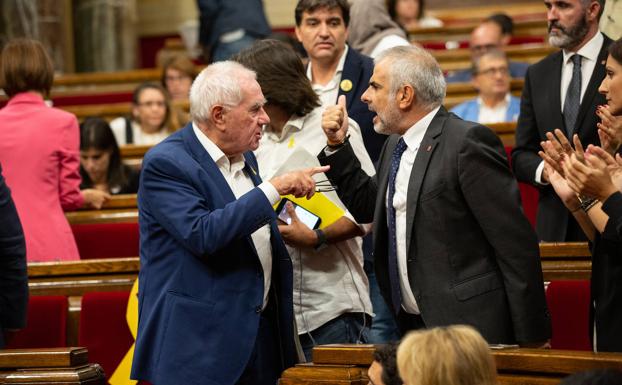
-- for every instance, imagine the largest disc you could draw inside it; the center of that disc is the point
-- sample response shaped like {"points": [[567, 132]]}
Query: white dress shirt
{"points": [[140, 138], [328, 93], [590, 53], [240, 184], [494, 114], [413, 138], [330, 281]]}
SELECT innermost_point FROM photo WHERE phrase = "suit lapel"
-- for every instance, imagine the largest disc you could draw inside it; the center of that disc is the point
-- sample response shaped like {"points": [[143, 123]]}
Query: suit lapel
{"points": [[351, 71], [592, 88], [206, 162], [422, 160]]}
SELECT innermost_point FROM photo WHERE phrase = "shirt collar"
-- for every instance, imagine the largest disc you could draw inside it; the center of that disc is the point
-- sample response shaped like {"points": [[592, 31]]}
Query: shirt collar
{"points": [[504, 103], [340, 65], [219, 157], [589, 51], [414, 134], [295, 123]]}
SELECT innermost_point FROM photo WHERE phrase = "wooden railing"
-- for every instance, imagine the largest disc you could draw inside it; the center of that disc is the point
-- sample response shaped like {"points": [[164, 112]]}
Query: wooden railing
{"points": [[348, 364], [66, 366]]}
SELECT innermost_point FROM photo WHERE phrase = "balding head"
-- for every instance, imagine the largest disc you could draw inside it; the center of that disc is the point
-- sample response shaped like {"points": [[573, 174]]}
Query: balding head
{"points": [[485, 37]]}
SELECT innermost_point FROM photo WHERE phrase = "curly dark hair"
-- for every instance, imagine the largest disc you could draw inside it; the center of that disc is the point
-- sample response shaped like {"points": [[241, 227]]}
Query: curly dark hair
{"points": [[385, 355]]}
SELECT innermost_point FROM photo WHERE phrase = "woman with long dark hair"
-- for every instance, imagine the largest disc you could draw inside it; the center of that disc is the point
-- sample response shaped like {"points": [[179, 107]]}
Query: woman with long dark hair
{"points": [[101, 167]]}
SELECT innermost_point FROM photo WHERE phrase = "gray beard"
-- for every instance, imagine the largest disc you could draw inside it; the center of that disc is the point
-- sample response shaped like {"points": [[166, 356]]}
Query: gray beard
{"points": [[569, 37]]}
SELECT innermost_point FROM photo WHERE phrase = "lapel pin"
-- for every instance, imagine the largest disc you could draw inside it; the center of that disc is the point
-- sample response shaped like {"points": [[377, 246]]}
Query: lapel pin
{"points": [[346, 85], [429, 148]]}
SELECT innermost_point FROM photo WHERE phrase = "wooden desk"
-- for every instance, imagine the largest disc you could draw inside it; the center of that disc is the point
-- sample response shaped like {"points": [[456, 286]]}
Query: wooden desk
{"points": [[58, 366], [347, 365]]}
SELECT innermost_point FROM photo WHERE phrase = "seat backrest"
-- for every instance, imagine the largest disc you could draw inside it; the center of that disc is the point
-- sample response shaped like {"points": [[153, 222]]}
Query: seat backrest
{"points": [[106, 240], [569, 304], [103, 328], [46, 326], [529, 195]]}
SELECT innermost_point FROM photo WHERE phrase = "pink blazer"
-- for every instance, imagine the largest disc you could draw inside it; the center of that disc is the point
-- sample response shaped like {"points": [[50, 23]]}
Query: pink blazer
{"points": [[40, 157]]}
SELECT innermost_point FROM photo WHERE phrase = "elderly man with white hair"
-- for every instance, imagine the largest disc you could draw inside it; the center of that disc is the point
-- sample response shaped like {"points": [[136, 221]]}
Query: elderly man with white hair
{"points": [[215, 285], [451, 243]]}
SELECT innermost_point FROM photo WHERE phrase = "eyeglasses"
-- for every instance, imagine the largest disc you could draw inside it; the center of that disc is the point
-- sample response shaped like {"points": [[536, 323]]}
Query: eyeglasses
{"points": [[152, 103], [495, 70], [324, 186], [483, 48], [173, 78]]}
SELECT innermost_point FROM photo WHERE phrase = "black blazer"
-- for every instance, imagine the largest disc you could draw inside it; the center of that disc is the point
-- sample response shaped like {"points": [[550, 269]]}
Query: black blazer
{"points": [[358, 69], [541, 112], [472, 255], [13, 274]]}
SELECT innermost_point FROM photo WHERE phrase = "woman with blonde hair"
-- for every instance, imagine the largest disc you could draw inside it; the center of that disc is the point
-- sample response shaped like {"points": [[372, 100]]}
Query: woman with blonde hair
{"points": [[453, 355]]}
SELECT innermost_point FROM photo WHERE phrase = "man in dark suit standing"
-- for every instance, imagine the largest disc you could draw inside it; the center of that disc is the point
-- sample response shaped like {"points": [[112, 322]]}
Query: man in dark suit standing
{"points": [[451, 243], [13, 273], [561, 91], [215, 284], [335, 68]]}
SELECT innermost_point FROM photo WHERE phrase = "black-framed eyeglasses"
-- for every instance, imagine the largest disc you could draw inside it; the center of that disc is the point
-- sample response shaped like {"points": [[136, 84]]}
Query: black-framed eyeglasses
{"points": [[324, 186]]}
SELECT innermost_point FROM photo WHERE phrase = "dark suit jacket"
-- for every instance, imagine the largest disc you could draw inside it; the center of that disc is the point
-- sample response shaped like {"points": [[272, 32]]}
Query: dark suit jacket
{"points": [[472, 255], [358, 69], [201, 282], [13, 274], [541, 112], [606, 293], [220, 16]]}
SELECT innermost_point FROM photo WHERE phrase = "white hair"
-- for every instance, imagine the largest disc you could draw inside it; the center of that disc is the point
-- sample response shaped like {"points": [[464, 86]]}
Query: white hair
{"points": [[415, 66], [218, 83]]}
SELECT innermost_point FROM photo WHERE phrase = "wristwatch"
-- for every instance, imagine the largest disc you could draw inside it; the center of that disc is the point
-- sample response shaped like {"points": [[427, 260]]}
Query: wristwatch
{"points": [[321, 240]]}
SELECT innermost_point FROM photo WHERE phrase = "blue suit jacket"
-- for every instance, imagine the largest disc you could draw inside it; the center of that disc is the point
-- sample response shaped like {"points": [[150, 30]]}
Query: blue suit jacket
{"points": [[358, 69], [517, 70], [201, 283], [13, 274], [469, 110]]}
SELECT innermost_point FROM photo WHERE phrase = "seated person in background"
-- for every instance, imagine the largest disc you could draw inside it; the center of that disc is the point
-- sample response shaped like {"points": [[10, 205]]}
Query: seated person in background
{"points": [[494, 103], [485, 37], [452, 355], [101, 167], [507, 26], [152, 120], [410, 14], [371, 29], [331, 290], [383, 370], [178, 73]]}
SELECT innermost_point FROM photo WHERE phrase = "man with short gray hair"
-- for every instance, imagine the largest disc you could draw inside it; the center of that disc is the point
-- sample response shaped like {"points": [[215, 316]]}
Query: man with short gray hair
{"points": [[215, 284], [444, 249]]}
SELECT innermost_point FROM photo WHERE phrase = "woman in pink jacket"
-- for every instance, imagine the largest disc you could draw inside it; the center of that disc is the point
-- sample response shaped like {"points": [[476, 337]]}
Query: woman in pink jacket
{"points": [[39, 152]]}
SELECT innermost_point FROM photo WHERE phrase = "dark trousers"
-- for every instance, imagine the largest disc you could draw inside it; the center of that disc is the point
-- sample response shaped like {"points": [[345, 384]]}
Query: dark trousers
{"points": [[407, 322], [264, 367]]}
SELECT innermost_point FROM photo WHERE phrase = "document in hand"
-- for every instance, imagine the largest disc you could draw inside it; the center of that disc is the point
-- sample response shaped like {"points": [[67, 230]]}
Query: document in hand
{"points": [[327, 204]]}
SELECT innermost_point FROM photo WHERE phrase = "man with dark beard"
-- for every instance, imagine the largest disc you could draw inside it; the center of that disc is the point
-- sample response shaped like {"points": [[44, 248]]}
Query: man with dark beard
{"points": [[561, 91]]}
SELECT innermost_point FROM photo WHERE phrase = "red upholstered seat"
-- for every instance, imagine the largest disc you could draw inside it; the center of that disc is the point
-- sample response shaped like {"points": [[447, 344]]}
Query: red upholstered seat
{"points": [[529, 195], [569, 306], [103, 328], [46, 326], [106, 240]]}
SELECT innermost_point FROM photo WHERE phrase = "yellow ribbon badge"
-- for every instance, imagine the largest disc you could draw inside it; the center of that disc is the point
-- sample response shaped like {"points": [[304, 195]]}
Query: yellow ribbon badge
{"points": [[346, 85]]}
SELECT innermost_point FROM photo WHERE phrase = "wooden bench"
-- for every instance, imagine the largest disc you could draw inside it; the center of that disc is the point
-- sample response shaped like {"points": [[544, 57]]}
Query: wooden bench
{"points": [[120, 208], [66, 366], [348, 364], [459, 59]]}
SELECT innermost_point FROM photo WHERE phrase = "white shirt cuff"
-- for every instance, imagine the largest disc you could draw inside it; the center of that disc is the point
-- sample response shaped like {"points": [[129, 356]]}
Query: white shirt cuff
{"points": [[539, 171], [270, 191]]}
